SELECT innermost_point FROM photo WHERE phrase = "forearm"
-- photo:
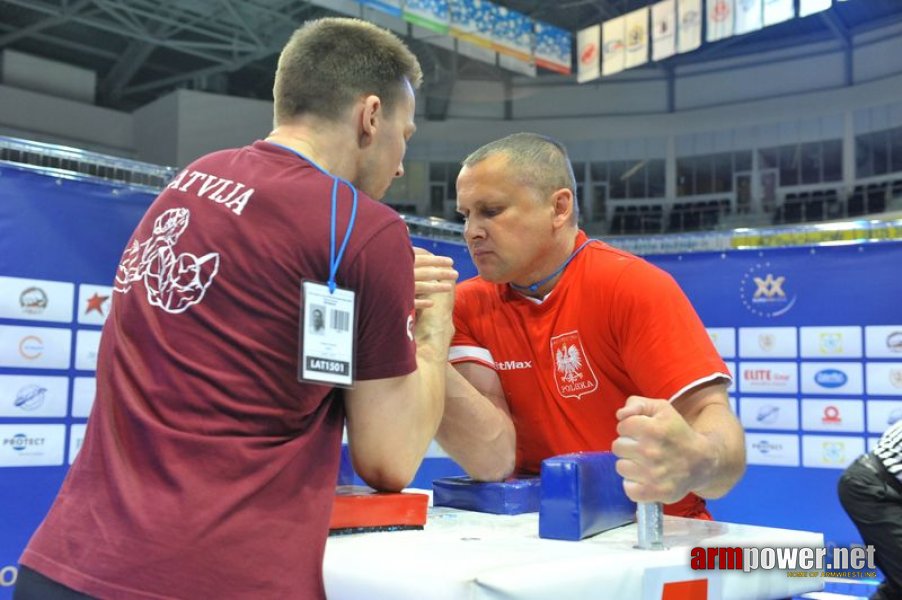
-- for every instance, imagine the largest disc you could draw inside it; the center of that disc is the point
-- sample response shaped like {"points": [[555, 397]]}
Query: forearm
{"points": [[720, 453], [476, 432]]}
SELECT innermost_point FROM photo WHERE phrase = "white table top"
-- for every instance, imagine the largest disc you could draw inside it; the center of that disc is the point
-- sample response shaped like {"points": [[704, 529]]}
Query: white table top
{"points": [[462, 554]]}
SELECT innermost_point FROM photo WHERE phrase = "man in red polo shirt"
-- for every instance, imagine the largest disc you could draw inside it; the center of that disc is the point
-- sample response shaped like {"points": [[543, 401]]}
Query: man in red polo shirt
{"points": [[565, 344]]}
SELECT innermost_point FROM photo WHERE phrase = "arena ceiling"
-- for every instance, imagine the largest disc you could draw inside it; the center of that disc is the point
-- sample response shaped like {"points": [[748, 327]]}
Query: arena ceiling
{"points": [[142, 49]]}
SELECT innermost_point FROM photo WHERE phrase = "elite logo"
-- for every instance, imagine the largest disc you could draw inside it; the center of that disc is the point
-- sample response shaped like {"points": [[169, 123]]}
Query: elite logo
{"points": [[572, 372]]}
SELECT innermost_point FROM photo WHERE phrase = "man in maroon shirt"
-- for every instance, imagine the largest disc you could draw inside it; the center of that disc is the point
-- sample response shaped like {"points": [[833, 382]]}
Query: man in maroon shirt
{"points": [[210, 459]]}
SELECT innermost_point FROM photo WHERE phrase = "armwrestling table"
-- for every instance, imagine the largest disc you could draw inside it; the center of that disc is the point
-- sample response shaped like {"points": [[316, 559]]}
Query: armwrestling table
{"points": [[470, 555]]}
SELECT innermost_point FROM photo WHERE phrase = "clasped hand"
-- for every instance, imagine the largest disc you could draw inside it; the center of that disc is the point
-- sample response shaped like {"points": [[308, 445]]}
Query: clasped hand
{"points": [[659, 454], [432, 274]]}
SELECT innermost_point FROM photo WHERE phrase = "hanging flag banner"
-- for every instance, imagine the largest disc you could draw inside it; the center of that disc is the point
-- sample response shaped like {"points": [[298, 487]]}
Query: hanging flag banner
{"points": [[553, 48], [809, 7], [663, 29], [689, 29], [588, 54], [749, 15], [613, 48], [512, 34], [636, 38], [430, 14], [777, 11], [472, 21], [392, 7], [465, 18], [720, 20]]}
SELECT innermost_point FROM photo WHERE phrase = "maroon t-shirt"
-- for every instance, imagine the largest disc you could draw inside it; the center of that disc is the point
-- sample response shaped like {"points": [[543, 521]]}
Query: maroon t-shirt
{"points": [[208, 470]]}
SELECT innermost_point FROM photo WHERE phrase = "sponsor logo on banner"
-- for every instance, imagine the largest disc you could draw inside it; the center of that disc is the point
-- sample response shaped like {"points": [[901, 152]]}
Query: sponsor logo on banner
{"points": [[573, 373], [33, 300], [818, 342], [770, 342], [832, 378], [884, 378], [765, 292], [830, 452], [28, 396], [883, 341], [31, 445], [770, 413], [721, 11], [35, 347], [31, 347], [36, 299], [772, 449], [831, 343], [94, 303], [770, 377], [832, 415]]}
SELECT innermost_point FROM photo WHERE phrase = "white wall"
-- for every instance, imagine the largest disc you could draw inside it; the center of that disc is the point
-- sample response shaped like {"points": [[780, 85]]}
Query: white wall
{"points": [[45, 118]]}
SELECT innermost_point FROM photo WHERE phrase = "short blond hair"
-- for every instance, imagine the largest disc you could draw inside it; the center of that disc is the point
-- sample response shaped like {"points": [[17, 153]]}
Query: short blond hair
{"points": [[329, 63]]}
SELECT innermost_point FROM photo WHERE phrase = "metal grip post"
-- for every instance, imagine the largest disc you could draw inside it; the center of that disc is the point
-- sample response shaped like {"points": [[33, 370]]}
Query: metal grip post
{"points": [[650, 522]]}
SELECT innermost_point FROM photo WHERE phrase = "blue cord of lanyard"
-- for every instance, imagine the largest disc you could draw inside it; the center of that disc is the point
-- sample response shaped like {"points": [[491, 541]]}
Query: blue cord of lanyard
{"points": [[334, 260], [535, 286]]}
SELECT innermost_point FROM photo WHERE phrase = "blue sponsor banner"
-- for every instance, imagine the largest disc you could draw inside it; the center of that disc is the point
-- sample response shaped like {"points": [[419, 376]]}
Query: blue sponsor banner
{"points": [[829, 296], [820, 329], [56, 234]]}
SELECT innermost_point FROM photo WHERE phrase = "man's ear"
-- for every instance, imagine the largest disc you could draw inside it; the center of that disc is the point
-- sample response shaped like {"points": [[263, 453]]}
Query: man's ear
{"points": [[370, 118], [562, 203]]}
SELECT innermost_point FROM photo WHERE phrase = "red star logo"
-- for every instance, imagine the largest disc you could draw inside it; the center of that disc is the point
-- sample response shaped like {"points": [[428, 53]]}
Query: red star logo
{"points": [[95, 302]]}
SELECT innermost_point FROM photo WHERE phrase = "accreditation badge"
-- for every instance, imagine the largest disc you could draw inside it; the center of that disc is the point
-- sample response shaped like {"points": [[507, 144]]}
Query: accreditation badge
{"points": [[326, 335]]}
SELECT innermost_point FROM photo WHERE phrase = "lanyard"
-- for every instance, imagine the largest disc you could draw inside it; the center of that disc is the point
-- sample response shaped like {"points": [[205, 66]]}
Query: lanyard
{"points": [[334, 260], [535, 286]]}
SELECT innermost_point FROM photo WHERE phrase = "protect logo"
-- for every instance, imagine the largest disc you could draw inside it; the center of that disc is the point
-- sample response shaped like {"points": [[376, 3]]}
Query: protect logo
{"points": [[572, 372], [766, 447]]}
